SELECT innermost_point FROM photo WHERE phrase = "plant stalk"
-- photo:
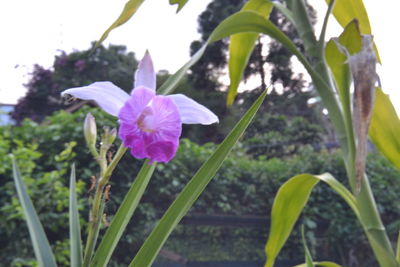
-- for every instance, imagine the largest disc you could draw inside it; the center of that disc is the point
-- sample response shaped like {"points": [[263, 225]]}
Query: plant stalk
{"points": [[369, 215], [99, 200]]}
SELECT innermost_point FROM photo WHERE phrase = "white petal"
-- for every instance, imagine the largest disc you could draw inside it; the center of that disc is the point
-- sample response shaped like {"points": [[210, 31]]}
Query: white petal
{"points": [[192, 112], [145, 75], [107, 95]]}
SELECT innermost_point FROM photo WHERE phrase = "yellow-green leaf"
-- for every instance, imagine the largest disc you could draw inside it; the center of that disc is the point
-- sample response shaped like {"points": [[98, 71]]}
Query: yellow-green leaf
{"points": [[350, 39], [289, 203], [180, 3], [241, 46], [384, 129], [130, 8], [345, 11]]}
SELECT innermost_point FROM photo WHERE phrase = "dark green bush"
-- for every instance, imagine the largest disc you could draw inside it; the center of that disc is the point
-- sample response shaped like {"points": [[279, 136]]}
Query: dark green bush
{"points": [[243, 187]]}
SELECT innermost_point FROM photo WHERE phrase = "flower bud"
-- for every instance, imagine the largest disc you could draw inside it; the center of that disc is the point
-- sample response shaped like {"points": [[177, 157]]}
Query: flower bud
{"points": [[90, 130]]}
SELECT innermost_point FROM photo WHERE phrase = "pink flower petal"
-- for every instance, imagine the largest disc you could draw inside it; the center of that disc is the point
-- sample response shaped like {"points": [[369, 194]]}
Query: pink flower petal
{"points": [[108, 96], [135, 104], [162, 151], [192, 112], [152, 127], [145, 75]]}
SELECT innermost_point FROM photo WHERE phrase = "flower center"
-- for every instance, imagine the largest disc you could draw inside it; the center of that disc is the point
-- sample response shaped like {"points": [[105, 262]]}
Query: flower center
{"points": [[146, 121]]}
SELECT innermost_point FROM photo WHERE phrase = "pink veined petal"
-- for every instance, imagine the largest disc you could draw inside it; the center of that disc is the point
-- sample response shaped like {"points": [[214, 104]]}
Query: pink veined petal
{"points": [[145, 75], [150, 130], [167, 120], [192, 112], [107, 95], [162, 151], [135, 104]]}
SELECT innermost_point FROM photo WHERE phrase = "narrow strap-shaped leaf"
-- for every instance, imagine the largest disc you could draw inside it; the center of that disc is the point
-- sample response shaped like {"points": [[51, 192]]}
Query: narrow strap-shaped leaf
{"points": [[307, 253], [123, 216], [385, 128], [130, 8], [41, 245], [241, 46], [74, 226], [289, 202], [192, 191], [398, 249]]}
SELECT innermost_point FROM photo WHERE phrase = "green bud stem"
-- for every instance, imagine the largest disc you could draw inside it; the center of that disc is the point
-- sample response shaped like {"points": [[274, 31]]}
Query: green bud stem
{"points": [[97, 208]]}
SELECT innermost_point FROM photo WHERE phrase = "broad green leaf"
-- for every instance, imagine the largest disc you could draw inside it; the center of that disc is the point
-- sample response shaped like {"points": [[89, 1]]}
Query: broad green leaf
{"points": [[290, 200], [250, 21], [192, 191], [130, 8], [337, 61], [180, 3], [123, 216], [41, 245], [384, 129], [307, 254], [346, 11], [74, 226], [288, 204], [350, 40], [321, 263], [241, 46]]}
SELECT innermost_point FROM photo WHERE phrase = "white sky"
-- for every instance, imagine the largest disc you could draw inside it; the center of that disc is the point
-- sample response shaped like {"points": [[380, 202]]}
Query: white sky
{"points": [[35, 31]]}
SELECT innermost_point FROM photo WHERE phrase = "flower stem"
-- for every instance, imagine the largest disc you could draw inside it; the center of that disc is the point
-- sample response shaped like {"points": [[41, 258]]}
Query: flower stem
{"points": [[99, 201]]}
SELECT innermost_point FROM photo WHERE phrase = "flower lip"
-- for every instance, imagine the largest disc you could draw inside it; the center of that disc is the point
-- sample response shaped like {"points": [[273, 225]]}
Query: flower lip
{"points": [[145, 121]]}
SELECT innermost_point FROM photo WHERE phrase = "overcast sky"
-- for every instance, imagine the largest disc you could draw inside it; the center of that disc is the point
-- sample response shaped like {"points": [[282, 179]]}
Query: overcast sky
{"points": [[35, 31]]}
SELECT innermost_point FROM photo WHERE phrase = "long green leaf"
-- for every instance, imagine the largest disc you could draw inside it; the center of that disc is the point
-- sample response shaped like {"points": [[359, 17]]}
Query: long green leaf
{"points": [[337, 61], [288, 204], [192, 191], [307, 253], [241, 46], [384, 129], [130, 8], [41, 245], [244, 21], [398, 249], [123, 216], [74, 226]]}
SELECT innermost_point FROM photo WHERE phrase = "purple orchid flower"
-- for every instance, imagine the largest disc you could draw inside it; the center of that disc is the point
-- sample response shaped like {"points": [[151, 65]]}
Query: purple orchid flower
{"points": [[150, 124]]}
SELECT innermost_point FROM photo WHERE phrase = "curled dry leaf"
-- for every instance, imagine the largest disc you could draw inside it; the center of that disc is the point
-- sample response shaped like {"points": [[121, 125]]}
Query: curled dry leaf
{"points": [[363, 69]]}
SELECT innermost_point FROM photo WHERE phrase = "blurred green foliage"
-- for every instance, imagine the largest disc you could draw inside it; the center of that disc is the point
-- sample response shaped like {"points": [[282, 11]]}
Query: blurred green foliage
{"points": [[245, 186]]}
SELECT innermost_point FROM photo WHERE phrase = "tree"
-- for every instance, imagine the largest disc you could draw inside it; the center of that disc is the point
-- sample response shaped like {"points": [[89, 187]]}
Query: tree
{"points": [[78, 68], [270, 62]]}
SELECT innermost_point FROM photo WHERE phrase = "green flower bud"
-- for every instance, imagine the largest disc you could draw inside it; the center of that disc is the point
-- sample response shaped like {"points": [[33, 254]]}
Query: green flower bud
{"points": [[108, 136], [90, 130]]}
